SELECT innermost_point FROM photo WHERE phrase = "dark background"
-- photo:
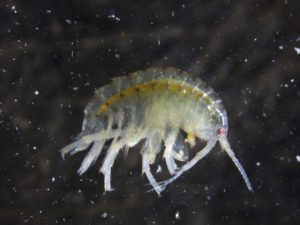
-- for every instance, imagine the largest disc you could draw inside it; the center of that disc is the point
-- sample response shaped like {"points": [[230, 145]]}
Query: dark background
{"points": [[54, 54]]}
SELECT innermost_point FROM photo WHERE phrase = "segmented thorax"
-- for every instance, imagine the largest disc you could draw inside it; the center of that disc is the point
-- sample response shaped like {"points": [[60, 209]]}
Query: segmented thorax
{"points": [[153, 106], [162, 99]]}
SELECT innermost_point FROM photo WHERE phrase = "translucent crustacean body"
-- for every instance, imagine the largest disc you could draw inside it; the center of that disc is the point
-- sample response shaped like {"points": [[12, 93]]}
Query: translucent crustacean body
{"points": [[156, 105]]}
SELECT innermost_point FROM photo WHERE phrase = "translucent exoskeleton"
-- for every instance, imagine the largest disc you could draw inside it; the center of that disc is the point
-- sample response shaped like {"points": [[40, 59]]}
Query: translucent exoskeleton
{"points": [[154, 106]]}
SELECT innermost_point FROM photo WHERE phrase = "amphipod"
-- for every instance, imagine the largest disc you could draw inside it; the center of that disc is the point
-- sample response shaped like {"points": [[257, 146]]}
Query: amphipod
{"points": [[154, 106]]}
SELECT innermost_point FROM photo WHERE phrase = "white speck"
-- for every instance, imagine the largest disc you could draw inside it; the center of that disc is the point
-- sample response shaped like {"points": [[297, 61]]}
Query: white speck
{"points": [[36, 92], [258, 163], [255, 39], [104, 215], [13, 8], [177, 215], [264, 115], [286, 85], [158, 169], [48, 11], [75, 88], [68, 21], [245, 60], [3, 70], [280, 47], [117, 56], [34, 147], [172, 13], [92, 202], [298, 158], [158, 40], [15, 100], [114, 17], [297, 50]]}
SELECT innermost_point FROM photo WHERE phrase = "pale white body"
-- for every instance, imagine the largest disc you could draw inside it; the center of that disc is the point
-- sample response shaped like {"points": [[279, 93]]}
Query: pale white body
{"points": [[173, 101]]}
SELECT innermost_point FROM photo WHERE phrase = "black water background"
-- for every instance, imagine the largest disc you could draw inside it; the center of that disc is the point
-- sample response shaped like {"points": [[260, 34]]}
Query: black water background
{"points": [[53, 54]]}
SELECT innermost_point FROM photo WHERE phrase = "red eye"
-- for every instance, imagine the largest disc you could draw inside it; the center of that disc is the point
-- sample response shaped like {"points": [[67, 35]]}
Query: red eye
{"points": [[221, 131]]}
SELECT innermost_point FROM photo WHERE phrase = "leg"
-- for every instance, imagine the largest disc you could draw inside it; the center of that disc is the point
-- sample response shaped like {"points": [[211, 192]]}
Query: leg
{"points": [[110, 157], [210, 144], [92, 156], [169, 142], [147, 171], [84, 142]]}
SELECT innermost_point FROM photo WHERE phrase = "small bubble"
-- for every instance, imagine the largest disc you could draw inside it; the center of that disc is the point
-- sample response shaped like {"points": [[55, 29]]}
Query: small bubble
{"points": [[159, 169], [158, 40], [68, 21], [104, 215], [113, 17], [177, 215], [92, 202], [297, 50]]}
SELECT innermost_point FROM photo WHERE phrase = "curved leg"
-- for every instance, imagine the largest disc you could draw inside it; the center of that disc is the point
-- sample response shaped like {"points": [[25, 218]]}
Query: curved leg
{"points": [[203, 152], [169, 143], [84, 142], [111, 155], [225, 145], [147, 171], [108, 162], [91, 156]]}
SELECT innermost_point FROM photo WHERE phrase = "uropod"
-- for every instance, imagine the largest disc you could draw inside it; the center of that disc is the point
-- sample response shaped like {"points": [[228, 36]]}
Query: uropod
{"points": [[156, 106]]}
